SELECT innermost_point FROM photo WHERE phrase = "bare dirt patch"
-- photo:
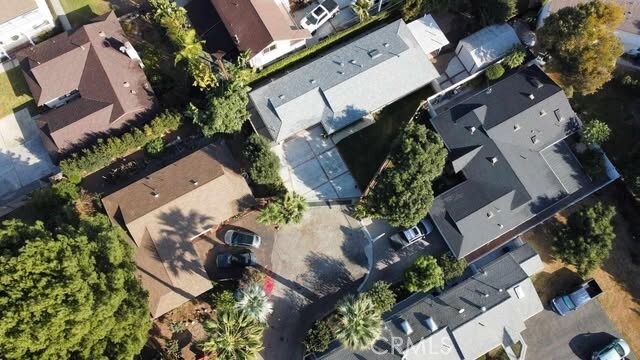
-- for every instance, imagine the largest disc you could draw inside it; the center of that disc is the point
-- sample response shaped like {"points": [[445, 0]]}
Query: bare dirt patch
{"points": [[619, 276]]}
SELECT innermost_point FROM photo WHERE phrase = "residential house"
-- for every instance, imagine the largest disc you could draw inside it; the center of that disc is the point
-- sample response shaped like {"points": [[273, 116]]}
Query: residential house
{"points": [[486, 46], [487, 310], [262, 27], [21, 22], [166, 210], [88, 81], [508, 143], [628, 32], [428, 35], [341, 87]]}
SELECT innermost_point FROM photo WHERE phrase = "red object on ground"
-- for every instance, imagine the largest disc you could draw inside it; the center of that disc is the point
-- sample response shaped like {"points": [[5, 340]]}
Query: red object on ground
{"points": [[268, 285]]}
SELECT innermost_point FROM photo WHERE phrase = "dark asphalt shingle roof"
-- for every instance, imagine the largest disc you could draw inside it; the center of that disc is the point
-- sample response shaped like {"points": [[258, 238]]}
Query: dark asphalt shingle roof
{"points": [[496, 139]]}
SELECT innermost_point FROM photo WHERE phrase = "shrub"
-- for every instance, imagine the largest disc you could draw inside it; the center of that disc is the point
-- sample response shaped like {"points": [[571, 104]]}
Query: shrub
{"points": [[318, 337], [224, 301], [515, 57], [172, 348], [264, 162], [382, 296], [154, 147], [423, 275], [451, 267], [286, 209], [494, 72], [176, 326], [106, 151], [596, 132]]}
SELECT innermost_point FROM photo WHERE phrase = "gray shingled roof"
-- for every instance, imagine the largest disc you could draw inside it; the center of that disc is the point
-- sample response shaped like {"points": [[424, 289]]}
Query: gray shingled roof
{"points": [[345, 84], [488, 300], [514, 162]]}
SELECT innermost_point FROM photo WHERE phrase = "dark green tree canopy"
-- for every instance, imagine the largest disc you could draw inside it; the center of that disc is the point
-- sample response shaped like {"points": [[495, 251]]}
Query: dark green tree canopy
{"points": [[424, 275], [586, 240], [69, 293], [495, 11], [403, 193], [264, 162]]}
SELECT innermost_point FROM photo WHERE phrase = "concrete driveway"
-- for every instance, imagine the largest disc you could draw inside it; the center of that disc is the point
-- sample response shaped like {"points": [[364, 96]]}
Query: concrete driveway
{"points": [[575, 336], [314, 263], [23, 158], [345, 18]]}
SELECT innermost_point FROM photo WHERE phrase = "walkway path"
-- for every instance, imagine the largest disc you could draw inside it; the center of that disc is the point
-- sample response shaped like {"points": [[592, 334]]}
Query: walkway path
{"points": [[59, 10]]}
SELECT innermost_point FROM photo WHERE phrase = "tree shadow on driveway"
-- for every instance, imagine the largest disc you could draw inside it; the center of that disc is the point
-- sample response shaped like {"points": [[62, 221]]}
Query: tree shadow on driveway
{"points": [[584, 345]]}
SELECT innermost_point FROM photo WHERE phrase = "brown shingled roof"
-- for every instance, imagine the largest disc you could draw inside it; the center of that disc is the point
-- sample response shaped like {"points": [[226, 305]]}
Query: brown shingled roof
{"points": [[254, 24], [162, 227], [87, 60]]}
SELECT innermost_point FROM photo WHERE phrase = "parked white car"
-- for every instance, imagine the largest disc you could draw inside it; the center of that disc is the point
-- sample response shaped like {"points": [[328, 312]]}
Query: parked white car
{"points": [[320, 15]]}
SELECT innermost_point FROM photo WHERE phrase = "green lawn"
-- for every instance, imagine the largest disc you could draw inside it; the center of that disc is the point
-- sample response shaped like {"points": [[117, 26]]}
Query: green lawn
{"points": [[14, 92], [79, 12], [367, 149], [619, 107]]}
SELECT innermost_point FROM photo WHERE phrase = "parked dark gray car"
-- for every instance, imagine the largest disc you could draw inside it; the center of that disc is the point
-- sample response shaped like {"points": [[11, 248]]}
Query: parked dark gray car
{"points": [[228, 260]]}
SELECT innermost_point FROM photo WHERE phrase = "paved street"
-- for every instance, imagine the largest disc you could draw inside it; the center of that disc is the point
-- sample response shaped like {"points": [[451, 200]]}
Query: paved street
{"points": [[575, 336]]}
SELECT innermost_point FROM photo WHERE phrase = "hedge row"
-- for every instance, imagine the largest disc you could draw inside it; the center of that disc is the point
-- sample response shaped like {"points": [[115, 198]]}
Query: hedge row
{"points": [[314, 49], [106, 151]]}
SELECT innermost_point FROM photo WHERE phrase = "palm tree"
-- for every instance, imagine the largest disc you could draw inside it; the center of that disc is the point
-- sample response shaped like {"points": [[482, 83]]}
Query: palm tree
{"points": [[359, 324], [293, 207], [361, 8], [254, 303], [271, 215], [232, 336]]}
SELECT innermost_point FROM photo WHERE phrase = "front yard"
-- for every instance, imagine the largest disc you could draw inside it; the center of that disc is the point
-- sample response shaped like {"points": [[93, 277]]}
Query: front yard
{"points": [[14, 92], [367, 149], [618, 276], [79, 12]]}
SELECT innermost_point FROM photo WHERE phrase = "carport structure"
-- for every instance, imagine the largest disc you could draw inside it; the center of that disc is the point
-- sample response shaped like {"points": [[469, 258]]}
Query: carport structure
{"points": [[312, 166], [23, 158]]}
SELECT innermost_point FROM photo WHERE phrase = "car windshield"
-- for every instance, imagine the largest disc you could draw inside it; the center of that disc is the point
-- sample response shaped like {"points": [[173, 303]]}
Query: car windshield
{"points": [[568, 302], [318, 11], [240, 238], [619, 349], [311, 19]]}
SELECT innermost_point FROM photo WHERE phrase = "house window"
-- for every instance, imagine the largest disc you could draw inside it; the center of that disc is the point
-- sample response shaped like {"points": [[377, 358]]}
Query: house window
{"points": [[269, 49]]}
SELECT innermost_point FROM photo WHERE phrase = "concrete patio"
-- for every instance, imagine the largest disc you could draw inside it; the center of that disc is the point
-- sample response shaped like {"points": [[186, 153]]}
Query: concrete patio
{"points": [[312, 167], [23, 158]]}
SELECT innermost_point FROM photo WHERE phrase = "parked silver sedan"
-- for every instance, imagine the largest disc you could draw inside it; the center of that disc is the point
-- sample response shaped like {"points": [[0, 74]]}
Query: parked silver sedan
{"points": [[242, 239]]}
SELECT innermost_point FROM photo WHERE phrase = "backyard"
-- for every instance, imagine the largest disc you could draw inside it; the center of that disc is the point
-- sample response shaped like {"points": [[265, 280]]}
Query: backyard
{"points": [[617, 276], [79, 12], [619, 106], [14, 92], [367, 149]]}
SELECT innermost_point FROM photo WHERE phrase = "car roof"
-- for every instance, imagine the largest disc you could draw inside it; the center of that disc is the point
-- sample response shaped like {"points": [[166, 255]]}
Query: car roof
{"points": [[329, 4]]}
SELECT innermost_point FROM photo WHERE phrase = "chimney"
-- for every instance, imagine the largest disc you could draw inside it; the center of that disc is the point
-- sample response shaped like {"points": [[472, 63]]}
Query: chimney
{"points": [[494, 160]]}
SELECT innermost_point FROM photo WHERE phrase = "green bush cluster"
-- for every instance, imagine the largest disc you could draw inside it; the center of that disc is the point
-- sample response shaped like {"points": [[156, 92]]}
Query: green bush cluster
{"points": [[318, 337], [629, 81], [515, 57], [424, 275], [451, 267], [155, 147], [189, 48], [264, 162], [106, 151], [494, 72], [287, 209]]}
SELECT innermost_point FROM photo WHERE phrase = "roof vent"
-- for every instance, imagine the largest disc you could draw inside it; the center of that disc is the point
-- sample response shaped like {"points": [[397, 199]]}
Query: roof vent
{"points": [[133, 92], [542, 112], [536, 83], [280, 96], [516, 127], [500, 226], [374, 53], [483, 271], [484, 308], [534, 139], [430, 324], [489, 214], [472, 130], [461, 310], [494, 160], [406, 328], [489, 90], [341, 72], [194, 182], [102, 34], [313, 81], [155, 194], [532, 97], [126, 84], [386, 44]]}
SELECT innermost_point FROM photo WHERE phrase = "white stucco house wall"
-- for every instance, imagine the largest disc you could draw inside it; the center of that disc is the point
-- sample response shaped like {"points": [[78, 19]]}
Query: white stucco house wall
{"points": [[21, 22]]}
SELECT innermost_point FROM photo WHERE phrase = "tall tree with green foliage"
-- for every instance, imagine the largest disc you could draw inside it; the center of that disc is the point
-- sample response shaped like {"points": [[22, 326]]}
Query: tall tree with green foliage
{"points": [[71, 293], [515, 57], [264, 162], [587, 238], [359, 324], [189, 49], [596, 132], [451, 267], [361, 8], [582, 44], [403, 194], [226, 111], [382, 296], [424, 275], [495, 11], [233, 335]]}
